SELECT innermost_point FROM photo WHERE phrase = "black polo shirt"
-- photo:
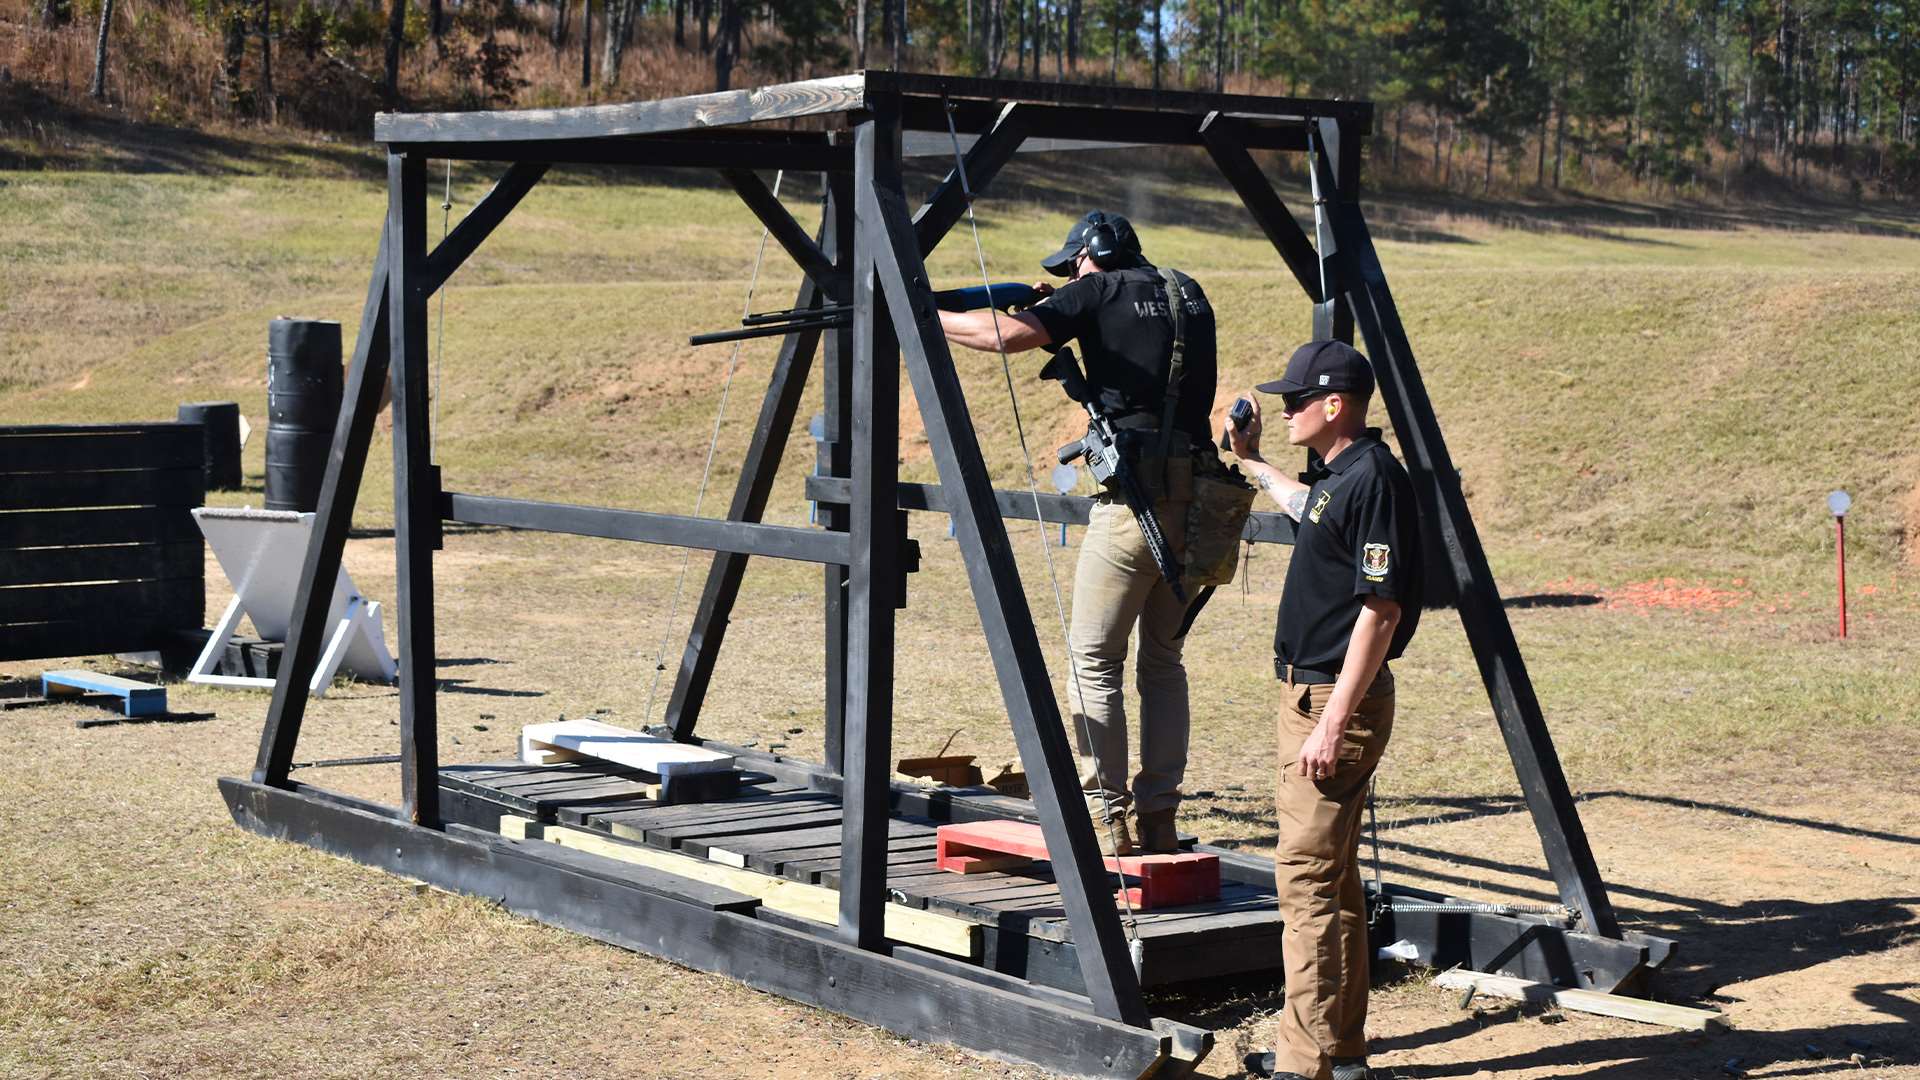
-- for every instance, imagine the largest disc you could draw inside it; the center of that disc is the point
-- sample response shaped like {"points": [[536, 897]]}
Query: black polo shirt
{"points": [[1120, 319], [1359, 537]]}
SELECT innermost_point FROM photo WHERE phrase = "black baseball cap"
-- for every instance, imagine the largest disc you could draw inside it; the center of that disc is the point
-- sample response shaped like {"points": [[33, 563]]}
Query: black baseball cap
{"points": [[1322, 367], [1060, 263]]}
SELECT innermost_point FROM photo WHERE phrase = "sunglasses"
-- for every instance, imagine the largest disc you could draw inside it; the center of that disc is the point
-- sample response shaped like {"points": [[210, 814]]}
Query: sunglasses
{"points": [[1293, 403]]}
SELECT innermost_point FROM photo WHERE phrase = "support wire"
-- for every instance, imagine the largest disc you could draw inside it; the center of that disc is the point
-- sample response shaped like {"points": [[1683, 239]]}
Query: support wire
{"points": [[706, 472]]}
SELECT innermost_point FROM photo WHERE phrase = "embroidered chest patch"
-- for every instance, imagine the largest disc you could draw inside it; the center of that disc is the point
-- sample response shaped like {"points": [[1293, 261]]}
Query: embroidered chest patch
{"points": [[1375, 559], [1319, 507]]}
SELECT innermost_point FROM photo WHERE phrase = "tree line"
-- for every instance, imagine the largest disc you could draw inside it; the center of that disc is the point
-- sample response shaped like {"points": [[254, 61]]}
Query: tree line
{"points": [[1669, 93]]}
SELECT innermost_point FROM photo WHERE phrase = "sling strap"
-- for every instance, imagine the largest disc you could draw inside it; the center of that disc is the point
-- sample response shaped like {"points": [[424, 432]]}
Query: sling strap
{"points": [[1177, 309]]}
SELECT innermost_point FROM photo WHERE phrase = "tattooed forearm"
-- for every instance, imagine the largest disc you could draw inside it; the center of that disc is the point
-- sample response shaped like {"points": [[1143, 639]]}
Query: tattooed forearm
{"points": [[1295, 505]]}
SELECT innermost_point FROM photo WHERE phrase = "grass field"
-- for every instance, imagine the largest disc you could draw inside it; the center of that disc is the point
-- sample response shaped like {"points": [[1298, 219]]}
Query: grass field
{"points": [[1646, 415]]}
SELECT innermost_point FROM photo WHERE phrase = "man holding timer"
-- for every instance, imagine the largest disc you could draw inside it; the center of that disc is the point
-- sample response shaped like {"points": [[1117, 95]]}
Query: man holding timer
{"points": [[1349, 605]]}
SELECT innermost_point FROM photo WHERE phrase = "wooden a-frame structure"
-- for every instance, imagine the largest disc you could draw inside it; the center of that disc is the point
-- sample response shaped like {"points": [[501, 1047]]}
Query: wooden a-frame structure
{"points": [[868, 260]]}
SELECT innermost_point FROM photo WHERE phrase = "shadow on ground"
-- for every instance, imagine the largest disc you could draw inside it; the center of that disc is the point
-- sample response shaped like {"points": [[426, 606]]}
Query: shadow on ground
{"points": [[1720, 945]]}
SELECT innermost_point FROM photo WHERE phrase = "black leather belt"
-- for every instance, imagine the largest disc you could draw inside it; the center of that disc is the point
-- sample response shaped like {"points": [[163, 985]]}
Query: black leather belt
{"points": [[1300, 676]]}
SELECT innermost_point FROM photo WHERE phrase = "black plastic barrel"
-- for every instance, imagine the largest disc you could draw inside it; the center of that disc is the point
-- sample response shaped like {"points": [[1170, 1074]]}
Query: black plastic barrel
{"points": [[303, 402], [221, 422]]}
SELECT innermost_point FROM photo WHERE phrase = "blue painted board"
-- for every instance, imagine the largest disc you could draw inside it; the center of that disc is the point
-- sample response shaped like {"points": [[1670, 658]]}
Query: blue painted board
{"points": [[137, 698]]}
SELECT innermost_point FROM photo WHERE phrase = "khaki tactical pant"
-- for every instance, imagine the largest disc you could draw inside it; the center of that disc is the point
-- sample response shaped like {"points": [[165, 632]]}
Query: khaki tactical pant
{"points": [[1116, 587], [1316, 871]]}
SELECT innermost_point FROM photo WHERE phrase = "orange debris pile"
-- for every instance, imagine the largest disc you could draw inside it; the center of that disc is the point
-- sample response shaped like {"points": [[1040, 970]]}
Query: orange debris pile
{"points": [[1675, 594]]}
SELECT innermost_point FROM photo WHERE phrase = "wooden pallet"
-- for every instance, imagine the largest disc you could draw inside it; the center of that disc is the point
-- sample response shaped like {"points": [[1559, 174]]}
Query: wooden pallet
{"points": [[790, 832]]}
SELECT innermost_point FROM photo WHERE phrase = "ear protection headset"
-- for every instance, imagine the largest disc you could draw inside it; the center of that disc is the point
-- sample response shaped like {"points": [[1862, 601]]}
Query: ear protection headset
{"points": [[1100, 242]]}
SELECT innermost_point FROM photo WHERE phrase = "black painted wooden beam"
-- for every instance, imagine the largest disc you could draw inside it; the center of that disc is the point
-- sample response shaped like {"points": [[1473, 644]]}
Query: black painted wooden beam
{"points": [[1256, 192], [1086, 891], [1121, 126], [308, 630], [836, 459], [694, 151], [601, 899], [710, 534], [486, 215], [1522, 724], [948, 202], [780, 224], [1333, 314], [416, 520], [1261, 528], [1097, 97], [873, 579]]}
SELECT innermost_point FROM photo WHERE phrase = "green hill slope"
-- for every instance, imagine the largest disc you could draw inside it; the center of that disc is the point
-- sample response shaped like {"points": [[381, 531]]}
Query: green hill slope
{"points": [[1634, 398]]}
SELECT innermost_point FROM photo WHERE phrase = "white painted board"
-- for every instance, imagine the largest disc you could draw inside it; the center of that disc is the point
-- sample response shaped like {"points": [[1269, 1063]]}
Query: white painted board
{"points": [[261, 552], [635, 750]]}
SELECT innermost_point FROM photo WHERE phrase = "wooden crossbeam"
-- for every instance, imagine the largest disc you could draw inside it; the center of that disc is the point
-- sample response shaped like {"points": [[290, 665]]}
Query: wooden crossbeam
{"points": [[788, 233], [912, 926]]}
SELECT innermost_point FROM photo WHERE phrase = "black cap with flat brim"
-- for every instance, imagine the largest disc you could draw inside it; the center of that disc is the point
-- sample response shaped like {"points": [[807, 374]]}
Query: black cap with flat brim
{"points": [[1323, 367], [1116, 245]]}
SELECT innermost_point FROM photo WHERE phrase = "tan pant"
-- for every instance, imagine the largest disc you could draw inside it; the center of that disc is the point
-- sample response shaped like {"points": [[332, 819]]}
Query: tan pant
{"points": [[1316, 870], [1117, 586]]}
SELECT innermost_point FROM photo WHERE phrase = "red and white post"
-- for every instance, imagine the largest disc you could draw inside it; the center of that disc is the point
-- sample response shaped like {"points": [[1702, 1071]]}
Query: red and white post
{"points": [[1838, 503]]}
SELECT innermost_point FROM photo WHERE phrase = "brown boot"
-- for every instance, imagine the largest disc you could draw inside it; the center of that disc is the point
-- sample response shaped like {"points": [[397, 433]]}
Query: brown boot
{"points": [[1112, 831], [1158, 836]]}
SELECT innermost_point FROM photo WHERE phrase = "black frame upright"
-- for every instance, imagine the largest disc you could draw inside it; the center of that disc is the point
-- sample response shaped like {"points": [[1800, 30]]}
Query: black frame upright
{"points": [[869, 252]]}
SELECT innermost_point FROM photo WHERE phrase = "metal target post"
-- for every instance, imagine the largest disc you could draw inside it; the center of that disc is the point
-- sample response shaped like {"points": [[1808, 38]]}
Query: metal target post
{"points": [[1838, 503]]}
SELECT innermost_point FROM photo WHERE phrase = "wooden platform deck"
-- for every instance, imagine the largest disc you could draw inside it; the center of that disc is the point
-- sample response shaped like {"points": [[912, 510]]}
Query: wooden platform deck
{"points": [[790, 830]]}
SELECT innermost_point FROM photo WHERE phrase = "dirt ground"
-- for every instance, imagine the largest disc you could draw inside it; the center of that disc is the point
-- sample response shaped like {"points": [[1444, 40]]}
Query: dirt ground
{"points": [[142, 934]]}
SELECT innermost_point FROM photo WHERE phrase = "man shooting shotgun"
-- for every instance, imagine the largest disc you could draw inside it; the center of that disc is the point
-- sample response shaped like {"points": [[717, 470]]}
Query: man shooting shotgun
{"points": [[1147, 336]]}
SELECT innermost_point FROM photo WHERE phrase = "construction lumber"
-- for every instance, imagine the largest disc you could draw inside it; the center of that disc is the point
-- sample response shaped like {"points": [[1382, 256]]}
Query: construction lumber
{"points": [[635, 750], [910, 926], [136, 698], [1639, 1010], [1165, 880]]}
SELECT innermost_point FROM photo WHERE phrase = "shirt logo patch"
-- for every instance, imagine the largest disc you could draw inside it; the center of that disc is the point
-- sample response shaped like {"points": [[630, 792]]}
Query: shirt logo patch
{"points": [[1319, 505], [1374, 559]]}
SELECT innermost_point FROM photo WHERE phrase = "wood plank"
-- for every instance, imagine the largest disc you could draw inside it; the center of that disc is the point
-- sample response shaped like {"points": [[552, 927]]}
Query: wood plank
{"points": [[770, 541], [621, 746], [308, 627], [126, 525], [174, 601], [947, 203], [732, 810], [703, 894], [1261, 527], [416, 487], [780, 150], [679, 835], [126, 487], [1104, 97], [954, 937], [118, 562], [810, 98], [809, 870], [733, 849], [1639, 1010], [112, 446], [870, 987], [787, 232], [1229, 153], [900, 851], [36, 641], [874, 534]]}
